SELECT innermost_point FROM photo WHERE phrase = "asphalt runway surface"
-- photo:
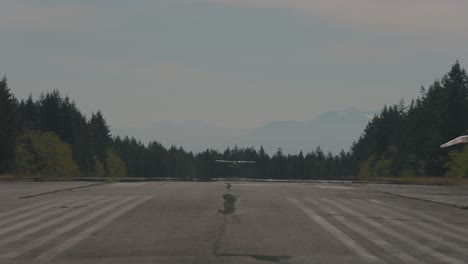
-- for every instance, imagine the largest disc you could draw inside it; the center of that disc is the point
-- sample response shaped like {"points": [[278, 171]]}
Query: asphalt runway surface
{"points": [[180, 222]]}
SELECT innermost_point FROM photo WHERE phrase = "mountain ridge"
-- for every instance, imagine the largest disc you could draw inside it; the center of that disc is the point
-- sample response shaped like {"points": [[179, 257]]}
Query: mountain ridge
{"points": [[331, 130]]}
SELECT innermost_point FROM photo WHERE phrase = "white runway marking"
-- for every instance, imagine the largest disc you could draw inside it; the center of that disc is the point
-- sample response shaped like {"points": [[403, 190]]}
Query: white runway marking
{"points": [[338, 234], [51, 253], [394, 251], [412, 227], [62, 230], [38, 210], [454, 229], [57, 220], [24, 208], [31, 220], [413, 243]]}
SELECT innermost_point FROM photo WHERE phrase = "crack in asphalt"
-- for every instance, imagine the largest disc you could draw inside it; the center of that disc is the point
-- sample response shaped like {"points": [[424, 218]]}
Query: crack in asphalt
{"points": [[60, 190], [268, 258]]}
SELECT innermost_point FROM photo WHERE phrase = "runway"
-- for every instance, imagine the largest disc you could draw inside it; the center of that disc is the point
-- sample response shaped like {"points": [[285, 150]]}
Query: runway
{"points": [[180, 222]]}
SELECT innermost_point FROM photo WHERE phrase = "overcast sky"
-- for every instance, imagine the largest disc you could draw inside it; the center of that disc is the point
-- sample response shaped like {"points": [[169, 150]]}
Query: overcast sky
{"points": [[235, 63]]}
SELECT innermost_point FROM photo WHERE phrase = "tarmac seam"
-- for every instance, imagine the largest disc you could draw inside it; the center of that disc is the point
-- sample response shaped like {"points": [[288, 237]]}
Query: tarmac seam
{"points": [[61, 190], [268, 258]]}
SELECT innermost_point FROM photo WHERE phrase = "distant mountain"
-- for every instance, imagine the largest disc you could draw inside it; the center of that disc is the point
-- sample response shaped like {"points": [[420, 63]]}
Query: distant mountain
{"points": [[195, 135], [333, 131]]}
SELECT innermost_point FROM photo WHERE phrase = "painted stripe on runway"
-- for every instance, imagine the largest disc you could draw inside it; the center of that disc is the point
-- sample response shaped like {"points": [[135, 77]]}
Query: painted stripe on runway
{"points": [[407, 212], [57, 220], [52, 253], [413, 227], [27, 207], [441, 226], [62, 230], [415, 244], [380, 242], [338, 234], [36, 211], [424, 216], [28, 221]]}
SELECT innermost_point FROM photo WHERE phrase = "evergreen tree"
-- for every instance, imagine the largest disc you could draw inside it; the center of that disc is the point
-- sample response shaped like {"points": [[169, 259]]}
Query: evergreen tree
{"points": [[49, 112], [404, 141], [100, 134], [7, 126]]}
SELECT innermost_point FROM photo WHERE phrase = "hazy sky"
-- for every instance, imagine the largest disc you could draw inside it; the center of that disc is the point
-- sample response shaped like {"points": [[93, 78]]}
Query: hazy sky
{"points": [[236, 63]]}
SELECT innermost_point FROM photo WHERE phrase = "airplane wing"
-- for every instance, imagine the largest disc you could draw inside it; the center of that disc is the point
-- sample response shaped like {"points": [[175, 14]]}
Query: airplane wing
{"points": [[236, 161], [458, 140], [225, 161]]}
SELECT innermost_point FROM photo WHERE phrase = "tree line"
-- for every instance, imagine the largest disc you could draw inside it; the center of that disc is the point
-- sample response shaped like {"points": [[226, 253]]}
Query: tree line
{"points": [[154, 160], [50, 136], [404, 139]]}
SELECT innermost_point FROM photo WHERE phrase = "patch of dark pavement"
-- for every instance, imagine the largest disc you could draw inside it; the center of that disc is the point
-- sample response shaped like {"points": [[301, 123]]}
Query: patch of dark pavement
{"points": [[267, 258], [229, 204], [229, 207]]}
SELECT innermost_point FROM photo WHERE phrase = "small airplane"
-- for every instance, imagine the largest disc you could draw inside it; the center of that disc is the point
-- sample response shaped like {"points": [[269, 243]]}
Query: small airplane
{"points": [[236, 163], [456, 141]]}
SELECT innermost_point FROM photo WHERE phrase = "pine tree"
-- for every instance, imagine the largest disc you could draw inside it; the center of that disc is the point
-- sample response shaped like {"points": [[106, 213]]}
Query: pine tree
{"points": [[455, 117], [50, 114], [7, 126], [100, 136], [28, 115]]}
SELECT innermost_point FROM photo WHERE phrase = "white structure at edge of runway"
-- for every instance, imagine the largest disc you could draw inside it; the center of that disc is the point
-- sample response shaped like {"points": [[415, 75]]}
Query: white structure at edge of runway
{"points": [[456, 141]]}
